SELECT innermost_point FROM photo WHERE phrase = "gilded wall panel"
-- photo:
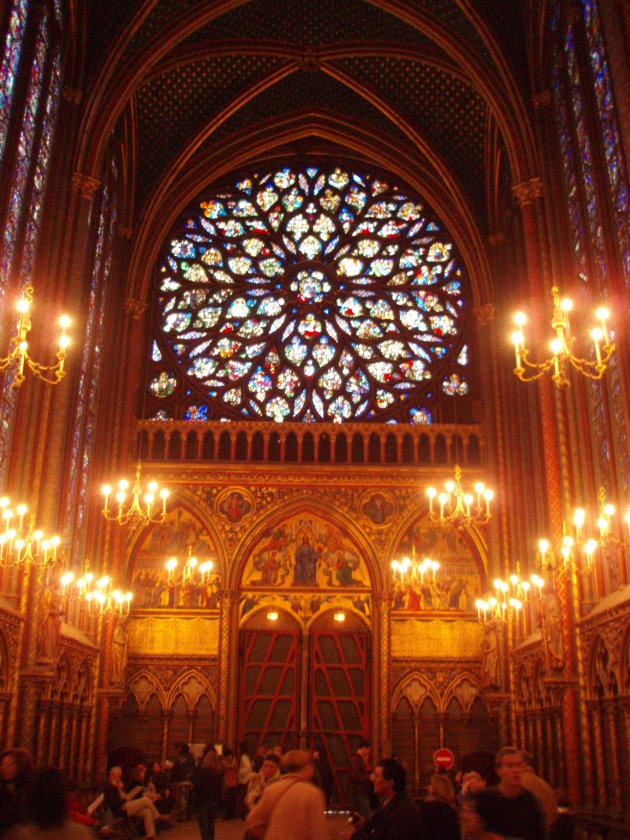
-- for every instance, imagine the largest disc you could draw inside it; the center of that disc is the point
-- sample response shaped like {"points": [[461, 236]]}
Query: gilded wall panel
{"points": [[174, 634], [436, 638]]}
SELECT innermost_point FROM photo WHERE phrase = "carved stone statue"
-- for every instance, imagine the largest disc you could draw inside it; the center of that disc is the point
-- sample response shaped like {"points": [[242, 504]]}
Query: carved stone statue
{"points": [[120, 642], [552, 626], [490, 658], [48, 626]]}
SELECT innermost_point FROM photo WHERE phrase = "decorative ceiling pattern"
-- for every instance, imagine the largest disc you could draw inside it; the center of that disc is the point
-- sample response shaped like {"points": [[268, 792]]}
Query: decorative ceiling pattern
{"points": [[174, 106], [310, 23], [420, 65]]}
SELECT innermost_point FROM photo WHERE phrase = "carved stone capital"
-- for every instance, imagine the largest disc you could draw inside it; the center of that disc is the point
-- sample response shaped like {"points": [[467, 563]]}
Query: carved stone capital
{"points": [[135, 308], [542, 99], [73, 95], [496, 239], [528, 191], [85, 185], [484, 315]]}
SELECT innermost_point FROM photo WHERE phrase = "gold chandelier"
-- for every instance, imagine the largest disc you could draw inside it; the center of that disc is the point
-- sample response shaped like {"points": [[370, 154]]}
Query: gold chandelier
{"points": [[561, 345], [416, 571], [136, 505], [582, 541], [19, 359], [192, 573], [100, 596], [510, 597], [20, 542], [458, 508]]}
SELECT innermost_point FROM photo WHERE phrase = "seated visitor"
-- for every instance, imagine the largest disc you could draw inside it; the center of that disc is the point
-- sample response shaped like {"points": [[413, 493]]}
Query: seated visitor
{"points": [[119, 803]]}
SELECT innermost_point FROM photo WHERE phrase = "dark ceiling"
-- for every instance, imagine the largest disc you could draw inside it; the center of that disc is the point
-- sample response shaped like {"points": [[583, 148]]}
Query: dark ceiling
{"points": [[392, 66]]}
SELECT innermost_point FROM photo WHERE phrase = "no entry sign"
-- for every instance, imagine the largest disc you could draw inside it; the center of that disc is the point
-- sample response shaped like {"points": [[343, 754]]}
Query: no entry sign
{"points": [[444, 759]]}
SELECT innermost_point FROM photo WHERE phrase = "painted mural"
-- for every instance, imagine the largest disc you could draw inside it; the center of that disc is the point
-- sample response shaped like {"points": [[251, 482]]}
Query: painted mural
{"points": [[308, 564], [180, 536], [455, 586]]}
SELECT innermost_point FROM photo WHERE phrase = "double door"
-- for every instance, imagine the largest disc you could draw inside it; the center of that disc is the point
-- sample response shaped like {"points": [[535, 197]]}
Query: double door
{"points": [[306, 689]]}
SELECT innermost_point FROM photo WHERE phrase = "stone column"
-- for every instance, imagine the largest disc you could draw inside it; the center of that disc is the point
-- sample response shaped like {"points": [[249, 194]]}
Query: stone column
{"points": [[228, 665], [612, 755], [598, 745], [381, 630]]}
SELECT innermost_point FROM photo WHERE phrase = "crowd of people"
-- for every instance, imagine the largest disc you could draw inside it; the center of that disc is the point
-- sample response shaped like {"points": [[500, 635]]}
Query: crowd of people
{"points": [[282, 795]]}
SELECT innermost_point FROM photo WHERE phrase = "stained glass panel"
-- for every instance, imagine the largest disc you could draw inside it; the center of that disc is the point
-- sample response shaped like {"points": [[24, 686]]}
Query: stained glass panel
{"points": [[349, 294], [10, 64]]}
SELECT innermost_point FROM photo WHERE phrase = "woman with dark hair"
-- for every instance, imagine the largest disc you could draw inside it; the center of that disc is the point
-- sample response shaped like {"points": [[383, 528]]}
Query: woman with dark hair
{"points": [[47, 811], [16, 774]]}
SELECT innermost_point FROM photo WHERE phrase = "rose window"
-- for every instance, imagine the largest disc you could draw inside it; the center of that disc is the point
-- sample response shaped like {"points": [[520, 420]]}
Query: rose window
{"points": [[308, 295]]}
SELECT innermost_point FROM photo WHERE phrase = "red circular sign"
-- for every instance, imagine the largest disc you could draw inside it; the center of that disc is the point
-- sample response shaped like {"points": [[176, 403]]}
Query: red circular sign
{"points": [[444, 758]]}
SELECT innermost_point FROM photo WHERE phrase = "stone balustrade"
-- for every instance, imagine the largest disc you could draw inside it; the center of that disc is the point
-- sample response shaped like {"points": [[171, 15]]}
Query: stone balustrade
{"points": [[302, 443]]}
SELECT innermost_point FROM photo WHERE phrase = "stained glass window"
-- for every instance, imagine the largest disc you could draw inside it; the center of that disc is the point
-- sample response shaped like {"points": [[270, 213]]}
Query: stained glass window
{"points": [[309, 294], [617, 176], [36, 117], [574, 83], [83, 435], [10, 63]]}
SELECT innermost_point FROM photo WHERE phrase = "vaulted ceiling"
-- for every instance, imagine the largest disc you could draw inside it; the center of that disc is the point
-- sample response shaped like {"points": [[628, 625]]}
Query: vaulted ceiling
{"points": [[440, 82]]}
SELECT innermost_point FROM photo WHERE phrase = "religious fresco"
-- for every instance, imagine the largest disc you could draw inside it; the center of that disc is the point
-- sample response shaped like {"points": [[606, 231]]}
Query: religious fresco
{"points": [[180, 536], [455, 586], [234, 505], [378, 507], [305, 552]]}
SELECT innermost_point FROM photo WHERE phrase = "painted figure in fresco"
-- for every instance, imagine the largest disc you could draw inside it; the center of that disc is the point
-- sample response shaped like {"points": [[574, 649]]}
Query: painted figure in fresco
{"points": [[399, 597], [306, 558], [378, 509], [346, 564], [414, 598], [235, 507]]}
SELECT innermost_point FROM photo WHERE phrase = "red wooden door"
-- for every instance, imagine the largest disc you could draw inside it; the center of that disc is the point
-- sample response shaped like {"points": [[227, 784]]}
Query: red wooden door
{"points": [[269, 688], [339, 713]]}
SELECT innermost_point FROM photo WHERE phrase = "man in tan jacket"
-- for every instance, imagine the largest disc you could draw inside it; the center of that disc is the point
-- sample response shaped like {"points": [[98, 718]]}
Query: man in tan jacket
{"points": [[291, 807]]}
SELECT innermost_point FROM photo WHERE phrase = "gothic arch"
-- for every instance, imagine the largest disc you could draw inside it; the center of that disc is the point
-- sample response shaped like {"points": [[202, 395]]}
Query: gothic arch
{"points": [[209, 165], [414, 689], [143, 686], [122, 76], [187, 504], [473, 539], [465, 689], [192, 685], [315, 507]]}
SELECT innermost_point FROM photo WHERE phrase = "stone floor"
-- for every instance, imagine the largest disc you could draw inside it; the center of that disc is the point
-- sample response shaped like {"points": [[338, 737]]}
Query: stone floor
{"points": [[235, 829]]}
